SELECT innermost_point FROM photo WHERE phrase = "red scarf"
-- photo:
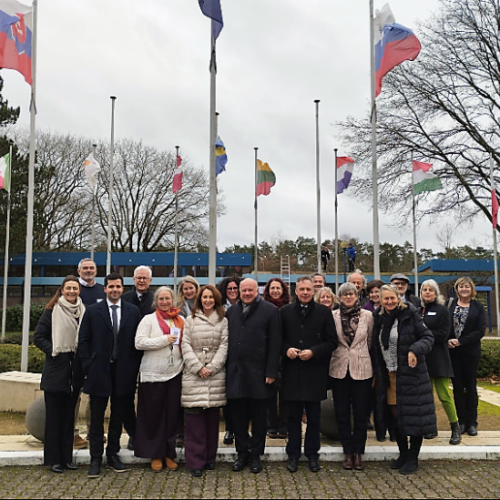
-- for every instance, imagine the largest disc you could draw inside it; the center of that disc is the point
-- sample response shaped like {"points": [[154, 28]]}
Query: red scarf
{"points": [[279, 303], [173, 314]]}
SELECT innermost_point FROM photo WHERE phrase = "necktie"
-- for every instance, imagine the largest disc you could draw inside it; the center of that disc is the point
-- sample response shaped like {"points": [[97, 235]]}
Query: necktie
{"points": [[116, 328], [140, 298], [304, 311]]}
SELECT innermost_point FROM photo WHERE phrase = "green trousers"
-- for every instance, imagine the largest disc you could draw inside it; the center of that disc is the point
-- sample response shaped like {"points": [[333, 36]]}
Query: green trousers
{"points": [[442, 386]]}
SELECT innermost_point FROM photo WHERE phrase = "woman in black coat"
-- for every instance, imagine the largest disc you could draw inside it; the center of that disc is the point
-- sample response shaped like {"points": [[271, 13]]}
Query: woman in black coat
{"points": [[467, 329], [437, 318], [400, 343], [56, 335]]}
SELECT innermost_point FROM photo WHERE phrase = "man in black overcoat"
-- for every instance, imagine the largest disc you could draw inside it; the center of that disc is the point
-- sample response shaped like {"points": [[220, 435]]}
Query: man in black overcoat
{"points": [[309, 338], [111, 366], [252, 368]]}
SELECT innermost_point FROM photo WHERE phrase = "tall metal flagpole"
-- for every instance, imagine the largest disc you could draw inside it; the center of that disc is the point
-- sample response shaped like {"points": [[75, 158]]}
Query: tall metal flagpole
{"points": [[495, 248], [212, 258], [376, 237], [415, 254], [336, 225], [256, 252], [31, 198], [111, 182], [94, 194], [176, 250], [318, 189], [6, 257]]}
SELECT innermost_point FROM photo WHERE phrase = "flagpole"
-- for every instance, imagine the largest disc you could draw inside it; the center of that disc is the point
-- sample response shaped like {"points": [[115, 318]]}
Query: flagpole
{"points": [[318, 189], [111, 182], [376, 237], [256, 251], [212, 258], [495, 248], [31, 202], [336, 225], [94, 194], [176, 251], [6, 257], [415, 254]]}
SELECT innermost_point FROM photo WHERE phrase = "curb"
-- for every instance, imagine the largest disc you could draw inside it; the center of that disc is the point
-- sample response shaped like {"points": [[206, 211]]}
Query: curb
{"points": [[328, 454]]}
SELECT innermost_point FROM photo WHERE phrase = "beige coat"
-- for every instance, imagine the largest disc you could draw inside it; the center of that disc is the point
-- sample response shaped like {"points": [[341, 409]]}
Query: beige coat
{"points": [[204, 344], [356, 358]]}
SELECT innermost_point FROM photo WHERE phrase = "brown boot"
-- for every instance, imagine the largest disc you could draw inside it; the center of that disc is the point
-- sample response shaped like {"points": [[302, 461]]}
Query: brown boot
{"points": [[157, 464], [171, 465], [347, 464], [358, 462], [79, 443]]}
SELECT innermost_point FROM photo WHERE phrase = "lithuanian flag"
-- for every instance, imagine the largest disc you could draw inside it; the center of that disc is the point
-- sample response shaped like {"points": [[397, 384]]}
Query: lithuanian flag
{"points": [[265, 179]]}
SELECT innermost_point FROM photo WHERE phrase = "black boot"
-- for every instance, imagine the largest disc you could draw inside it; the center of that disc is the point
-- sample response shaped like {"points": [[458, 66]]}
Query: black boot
{"points": [[411, 465], [456, 436], [403, 451]]}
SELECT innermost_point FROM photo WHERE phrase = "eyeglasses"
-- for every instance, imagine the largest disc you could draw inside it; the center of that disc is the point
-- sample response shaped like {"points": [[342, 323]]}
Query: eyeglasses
{"points": [[232, 289], [141, 278], [399, 283], [349, 294]]}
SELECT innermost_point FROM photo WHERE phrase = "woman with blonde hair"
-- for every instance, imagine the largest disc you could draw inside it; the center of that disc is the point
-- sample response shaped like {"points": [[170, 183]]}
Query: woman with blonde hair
{"points": [[159, 407], [468, 325], [326, 297], [186, 295], [400, 343]]}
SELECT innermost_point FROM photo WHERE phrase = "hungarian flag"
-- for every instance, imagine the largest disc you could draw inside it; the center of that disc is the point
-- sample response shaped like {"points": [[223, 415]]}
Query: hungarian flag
{"points": [[265, 179], [394, 44], [345, 168], [494, 208], [423, 179], [5, 173], [92, 168], [16, 24], [178, 176]]}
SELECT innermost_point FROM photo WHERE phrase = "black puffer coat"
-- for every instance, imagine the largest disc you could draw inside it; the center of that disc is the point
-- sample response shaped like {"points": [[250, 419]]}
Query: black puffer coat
{"points": [[415, 400]]}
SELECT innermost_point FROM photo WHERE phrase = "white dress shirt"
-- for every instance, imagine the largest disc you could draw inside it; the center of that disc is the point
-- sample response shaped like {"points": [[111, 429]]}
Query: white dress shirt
{"points": [[118, 311]]}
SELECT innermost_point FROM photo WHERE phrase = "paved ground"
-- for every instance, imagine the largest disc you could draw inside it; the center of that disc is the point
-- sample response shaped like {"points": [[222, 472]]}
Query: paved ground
{"points": [[434, 480]]}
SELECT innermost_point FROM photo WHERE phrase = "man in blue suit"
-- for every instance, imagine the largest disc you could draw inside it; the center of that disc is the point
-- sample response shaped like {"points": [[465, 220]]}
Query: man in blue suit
{"points": [[110, 365]]}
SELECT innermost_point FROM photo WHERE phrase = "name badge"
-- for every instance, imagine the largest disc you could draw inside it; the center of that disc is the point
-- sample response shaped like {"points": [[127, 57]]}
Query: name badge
{"points": [[176, 332], [432, 314]]}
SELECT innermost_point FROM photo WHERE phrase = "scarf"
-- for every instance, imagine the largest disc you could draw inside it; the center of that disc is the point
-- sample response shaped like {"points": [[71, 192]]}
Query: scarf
{"points": [[173, 314], [66, 319], [350, 320], [388, 320], [279, 303]]}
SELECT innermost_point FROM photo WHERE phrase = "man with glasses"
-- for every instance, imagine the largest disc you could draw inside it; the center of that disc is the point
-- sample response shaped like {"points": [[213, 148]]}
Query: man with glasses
{"points": [[141, 296], [402, 283]]}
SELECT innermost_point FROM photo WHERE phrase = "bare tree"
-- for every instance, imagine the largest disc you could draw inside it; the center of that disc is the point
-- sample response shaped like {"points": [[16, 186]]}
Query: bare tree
{"points": [[444, 109]]}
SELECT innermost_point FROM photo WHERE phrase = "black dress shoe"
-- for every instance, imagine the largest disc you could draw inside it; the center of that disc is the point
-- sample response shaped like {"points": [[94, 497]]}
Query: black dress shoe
{"points": [[272, 434], [210, 466], [472, 431], [381, 439], [228, 438], [432, 435], [116, 464], [240, 464], [197, 473], [71, 467], [131, 444], [95, 469], [255, 465], [462, 429], [57, 469], [293, 465], [314, 465], [369, 425]]}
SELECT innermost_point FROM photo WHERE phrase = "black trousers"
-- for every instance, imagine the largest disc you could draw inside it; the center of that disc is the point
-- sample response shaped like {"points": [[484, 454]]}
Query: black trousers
{"points": [[59, 428], [277, 417], [228, 419], [351, 398], [243, 413], [312, 443], [130, 417], [465, 386]]}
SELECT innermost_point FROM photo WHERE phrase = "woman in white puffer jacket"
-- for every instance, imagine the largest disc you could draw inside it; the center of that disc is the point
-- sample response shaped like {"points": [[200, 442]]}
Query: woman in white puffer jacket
{"points": [[204, 349]]}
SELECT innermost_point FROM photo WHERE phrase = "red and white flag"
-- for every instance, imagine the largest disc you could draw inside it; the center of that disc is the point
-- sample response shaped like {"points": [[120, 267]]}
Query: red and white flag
{"points": [[178, 175]]}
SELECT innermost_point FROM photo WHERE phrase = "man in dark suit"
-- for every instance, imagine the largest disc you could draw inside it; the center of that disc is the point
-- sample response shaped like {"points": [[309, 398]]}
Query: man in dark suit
{"points": [[141, 296], [111, 366], [309, 338]]}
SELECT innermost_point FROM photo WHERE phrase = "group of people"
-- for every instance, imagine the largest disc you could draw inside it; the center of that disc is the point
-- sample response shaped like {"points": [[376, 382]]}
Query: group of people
{"points": [[267, 361]]}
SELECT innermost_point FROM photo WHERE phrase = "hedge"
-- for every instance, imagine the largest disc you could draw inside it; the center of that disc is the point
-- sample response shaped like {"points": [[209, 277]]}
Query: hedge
{"points": [[490, 361], [14, 321]]}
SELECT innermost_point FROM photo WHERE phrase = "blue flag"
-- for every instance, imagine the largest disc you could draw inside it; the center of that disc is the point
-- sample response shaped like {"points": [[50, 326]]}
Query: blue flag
{"points": [[212, 9], [220, 156]]}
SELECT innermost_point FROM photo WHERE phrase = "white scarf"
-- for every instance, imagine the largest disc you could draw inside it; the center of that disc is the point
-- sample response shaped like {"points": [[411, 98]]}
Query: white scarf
{"points": [[66, 318]]}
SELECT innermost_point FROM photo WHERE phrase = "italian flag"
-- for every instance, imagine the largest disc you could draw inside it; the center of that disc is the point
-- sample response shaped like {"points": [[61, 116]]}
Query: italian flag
{"points": [[5, 173], [265, 179], [424, 180]]}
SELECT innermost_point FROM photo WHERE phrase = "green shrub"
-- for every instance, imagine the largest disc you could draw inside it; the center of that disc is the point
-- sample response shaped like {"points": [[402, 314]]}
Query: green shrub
{"points": [[490, 360], [10, 359], [14, 320]]}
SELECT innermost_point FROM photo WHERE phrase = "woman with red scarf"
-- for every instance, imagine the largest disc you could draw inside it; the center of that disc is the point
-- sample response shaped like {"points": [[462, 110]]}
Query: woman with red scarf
{"points": [[159, 409]]}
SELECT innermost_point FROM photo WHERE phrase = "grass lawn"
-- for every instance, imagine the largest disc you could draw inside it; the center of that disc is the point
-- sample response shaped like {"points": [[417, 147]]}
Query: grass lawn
{"points": [[489, 386], [12, 424]]}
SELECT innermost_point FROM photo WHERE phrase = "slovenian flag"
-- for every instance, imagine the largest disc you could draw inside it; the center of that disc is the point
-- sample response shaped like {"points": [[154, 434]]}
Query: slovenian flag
{"points": [[265, 179], [220, 157], [5, 173], [424, 180], [16, 24], [394, 44], [345, 169], [92, 168], [178, 176], [213, 10]]}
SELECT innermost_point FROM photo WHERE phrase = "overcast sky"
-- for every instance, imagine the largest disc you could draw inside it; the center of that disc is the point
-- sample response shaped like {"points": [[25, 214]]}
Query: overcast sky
{"points": [[275, 57]]}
